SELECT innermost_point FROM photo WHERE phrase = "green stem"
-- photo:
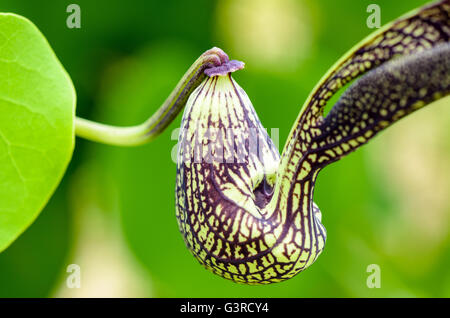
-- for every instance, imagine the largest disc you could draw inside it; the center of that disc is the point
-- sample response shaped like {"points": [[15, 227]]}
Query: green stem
{"points": [[147, 131]]}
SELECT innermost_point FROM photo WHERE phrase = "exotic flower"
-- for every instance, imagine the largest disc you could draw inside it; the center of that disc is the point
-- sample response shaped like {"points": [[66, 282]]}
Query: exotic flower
{"points": [[248, 214]]}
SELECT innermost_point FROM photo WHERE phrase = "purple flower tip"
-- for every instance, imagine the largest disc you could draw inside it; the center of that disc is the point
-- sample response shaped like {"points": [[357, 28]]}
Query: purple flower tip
{"points": [[224, 68]]}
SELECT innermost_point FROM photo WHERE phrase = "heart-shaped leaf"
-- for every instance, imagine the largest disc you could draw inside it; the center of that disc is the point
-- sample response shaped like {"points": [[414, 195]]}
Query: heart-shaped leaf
{"points": [[37, 107]]}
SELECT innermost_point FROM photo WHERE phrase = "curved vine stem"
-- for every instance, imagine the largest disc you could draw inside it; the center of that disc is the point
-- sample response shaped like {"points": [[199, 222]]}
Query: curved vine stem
{"points": [[147, 131]]}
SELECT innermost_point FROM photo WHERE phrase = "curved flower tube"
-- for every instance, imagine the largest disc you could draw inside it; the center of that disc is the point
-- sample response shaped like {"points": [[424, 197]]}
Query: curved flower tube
{"points": [[247, 213]]}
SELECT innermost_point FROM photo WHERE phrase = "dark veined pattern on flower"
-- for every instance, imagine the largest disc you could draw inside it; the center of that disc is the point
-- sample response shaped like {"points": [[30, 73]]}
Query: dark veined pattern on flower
{"points": [[246, 213]]}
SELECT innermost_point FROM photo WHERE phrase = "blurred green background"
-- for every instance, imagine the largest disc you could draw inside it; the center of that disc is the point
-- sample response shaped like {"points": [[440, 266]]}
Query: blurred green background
{"points": [[113, 214]]}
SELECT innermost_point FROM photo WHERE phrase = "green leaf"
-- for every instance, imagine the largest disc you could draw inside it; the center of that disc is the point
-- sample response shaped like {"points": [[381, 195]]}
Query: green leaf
{"points": [[37, 107]]}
